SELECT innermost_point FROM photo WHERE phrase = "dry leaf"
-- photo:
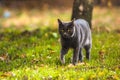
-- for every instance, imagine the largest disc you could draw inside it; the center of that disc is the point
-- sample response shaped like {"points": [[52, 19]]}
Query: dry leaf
{"points": [[70, 65], [101, 55], [23, 55], [4, 57], [7, 74], [80, 63], [42, 65]]}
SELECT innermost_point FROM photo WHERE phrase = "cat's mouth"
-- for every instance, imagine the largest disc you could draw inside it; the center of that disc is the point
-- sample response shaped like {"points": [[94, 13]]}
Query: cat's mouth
{"points": [[66, 36]]}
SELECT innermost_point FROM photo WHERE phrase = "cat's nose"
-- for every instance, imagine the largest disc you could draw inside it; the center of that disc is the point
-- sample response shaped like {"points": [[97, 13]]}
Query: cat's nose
{"points": [[65, 34]]}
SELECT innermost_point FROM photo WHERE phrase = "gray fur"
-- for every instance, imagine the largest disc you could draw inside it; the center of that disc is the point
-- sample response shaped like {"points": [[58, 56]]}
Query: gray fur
{"points": [[78, 38]]}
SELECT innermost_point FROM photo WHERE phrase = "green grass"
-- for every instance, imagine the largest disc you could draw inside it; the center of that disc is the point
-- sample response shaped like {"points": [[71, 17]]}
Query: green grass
{"points": [[35, 56]]}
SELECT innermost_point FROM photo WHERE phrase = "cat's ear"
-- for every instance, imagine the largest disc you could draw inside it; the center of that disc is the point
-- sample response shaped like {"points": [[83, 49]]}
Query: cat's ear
{"points": [[71, 24], [59, 22], [73, 20]]}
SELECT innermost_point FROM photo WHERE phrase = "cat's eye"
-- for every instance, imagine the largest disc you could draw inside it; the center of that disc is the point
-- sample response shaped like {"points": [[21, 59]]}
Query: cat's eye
{"points": [[68, 30]]}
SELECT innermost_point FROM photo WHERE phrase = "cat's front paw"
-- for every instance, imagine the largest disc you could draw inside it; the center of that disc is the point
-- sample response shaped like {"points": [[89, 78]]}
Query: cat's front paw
{"points": [[62, 61]]}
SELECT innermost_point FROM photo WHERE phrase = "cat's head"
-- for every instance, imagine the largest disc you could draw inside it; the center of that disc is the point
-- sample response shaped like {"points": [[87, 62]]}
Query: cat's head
{"points": [[66, 29]]}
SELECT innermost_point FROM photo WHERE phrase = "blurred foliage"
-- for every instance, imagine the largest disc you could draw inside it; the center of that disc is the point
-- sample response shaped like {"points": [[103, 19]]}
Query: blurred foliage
{"points": [[108, 3], [47, 4], [42, 4], [33, 19]]}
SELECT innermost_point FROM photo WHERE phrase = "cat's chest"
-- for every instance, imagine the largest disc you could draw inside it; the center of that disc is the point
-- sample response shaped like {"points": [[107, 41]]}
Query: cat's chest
{"points": [[70, 43]]}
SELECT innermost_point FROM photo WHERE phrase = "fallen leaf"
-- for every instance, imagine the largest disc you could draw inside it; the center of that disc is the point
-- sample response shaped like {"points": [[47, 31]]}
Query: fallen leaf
{"points": [[23, 55], [42, 65], [4, 57], [101, 52], [80, 63], [101, 55], [7, 74], [71, 65]]}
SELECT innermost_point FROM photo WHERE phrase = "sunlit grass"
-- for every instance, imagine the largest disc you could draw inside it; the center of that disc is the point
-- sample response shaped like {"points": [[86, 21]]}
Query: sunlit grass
{"points": [[36, 56]]}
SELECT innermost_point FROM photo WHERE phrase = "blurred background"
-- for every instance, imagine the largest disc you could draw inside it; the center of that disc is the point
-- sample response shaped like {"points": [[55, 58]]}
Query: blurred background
{"points": [[32, 14]]}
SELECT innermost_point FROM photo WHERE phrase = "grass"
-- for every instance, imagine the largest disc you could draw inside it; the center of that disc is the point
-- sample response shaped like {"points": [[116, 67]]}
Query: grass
{"points": [[33, 54]]}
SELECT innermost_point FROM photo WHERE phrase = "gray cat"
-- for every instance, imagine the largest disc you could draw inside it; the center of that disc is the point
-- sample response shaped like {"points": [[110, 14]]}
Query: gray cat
{"points": [[75, 34]]}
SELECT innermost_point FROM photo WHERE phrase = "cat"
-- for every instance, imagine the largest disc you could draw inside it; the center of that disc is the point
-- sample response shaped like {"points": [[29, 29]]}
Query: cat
{"points": [[75, 34]]}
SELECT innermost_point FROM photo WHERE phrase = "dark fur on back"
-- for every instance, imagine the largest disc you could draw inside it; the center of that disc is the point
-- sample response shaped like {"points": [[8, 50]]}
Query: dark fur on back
{"points": [[77, 35]]}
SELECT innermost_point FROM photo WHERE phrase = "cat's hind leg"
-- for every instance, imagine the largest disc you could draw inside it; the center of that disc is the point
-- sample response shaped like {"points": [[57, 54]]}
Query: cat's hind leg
{"points": [[88, 49], [80, 55]]}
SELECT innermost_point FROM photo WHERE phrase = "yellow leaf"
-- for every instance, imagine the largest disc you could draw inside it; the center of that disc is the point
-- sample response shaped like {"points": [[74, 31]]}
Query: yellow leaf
{"points": [[70, 65]]}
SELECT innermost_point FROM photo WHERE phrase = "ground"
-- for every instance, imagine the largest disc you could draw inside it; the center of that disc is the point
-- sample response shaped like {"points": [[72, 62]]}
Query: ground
{"points": [[31, 51]]}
